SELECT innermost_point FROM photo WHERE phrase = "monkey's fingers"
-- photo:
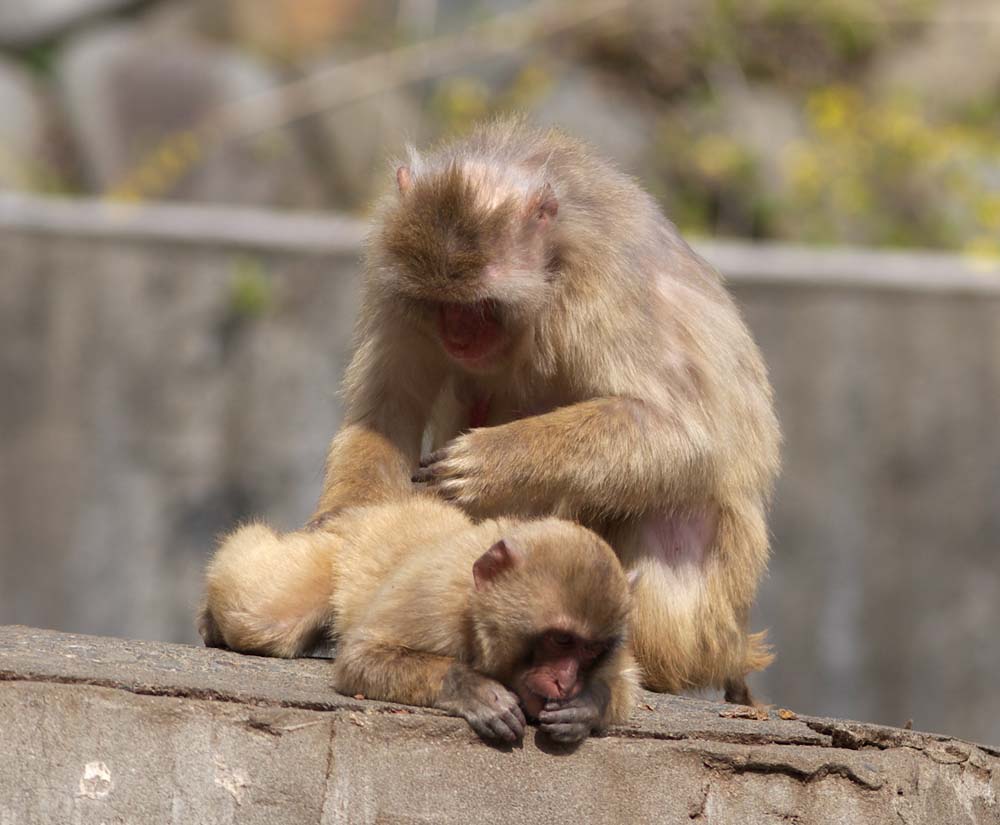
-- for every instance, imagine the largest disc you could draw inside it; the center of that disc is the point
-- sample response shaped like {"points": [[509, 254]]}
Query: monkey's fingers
{"points": [[514, 719], [425, 475], [492, 725], [566, 734], [507, 727], [575, 711], [436, 479], [434, 458], [519, 714]]}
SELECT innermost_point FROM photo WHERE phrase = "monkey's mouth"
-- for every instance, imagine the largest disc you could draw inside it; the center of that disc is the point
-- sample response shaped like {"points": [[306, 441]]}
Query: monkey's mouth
{"points": [[470, 332], [531, 702]]}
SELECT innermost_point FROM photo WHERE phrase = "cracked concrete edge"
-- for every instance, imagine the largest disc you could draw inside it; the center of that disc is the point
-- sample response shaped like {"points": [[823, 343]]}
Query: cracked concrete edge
{"points": [[236, 736], [184, 671]]}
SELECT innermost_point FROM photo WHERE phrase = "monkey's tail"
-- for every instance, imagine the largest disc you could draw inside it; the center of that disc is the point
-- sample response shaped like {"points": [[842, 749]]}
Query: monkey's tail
{"points": [[759, 654], [270, 594]]}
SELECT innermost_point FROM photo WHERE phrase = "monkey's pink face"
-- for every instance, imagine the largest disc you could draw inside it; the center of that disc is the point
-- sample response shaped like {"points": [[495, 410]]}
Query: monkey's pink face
{"points": [[559, 670], [472, 333]]}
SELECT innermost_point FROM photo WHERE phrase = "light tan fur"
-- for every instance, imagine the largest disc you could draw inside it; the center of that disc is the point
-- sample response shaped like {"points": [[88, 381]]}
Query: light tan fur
{"points": [[631, 396], [394, 585]]}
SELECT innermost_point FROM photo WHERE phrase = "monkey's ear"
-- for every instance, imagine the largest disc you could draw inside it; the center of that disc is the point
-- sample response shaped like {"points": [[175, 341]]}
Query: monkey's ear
{"points": [[633, 577], [543, 206], [501, 557], [404, 177]]}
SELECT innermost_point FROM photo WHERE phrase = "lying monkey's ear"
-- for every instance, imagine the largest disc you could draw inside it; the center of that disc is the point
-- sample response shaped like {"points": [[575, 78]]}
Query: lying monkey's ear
{"points": [[543, 206], [502, 556], [403, 179]]}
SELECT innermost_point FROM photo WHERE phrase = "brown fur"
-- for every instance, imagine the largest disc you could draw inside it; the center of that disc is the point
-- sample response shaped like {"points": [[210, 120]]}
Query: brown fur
{"points": [[630, 395], [394, 584]]}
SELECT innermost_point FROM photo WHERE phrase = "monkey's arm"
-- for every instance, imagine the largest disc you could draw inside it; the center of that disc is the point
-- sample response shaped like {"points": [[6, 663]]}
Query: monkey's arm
{"points": [[366, 464], [389, 391], [393, 673], [611, 455], [607, 700]]}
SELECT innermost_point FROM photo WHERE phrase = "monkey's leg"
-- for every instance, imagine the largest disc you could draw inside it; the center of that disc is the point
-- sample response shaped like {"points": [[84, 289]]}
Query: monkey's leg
{"points": [[393, 673], [621, 674], [698, 576], [269, 594], [737, 692], [612, 455]]}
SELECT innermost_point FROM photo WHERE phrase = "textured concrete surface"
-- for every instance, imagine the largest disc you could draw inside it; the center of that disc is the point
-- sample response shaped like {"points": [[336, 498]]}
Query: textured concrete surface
{"points": [[97, 730]]}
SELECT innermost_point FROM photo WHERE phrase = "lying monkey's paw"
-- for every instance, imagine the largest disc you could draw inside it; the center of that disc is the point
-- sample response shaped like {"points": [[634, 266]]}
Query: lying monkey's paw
{"points": [[495, 713], [456, 472], [570, 721]]}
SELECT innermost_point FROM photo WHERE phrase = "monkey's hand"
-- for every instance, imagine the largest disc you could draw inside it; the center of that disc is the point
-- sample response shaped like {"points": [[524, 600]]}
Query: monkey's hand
{"points": [[575, 719], [465, 471], [492, 710]]}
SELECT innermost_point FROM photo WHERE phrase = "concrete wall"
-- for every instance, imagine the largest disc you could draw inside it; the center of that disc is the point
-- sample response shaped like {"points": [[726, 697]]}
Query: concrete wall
{"points": [[147, 403], [100, 730]]}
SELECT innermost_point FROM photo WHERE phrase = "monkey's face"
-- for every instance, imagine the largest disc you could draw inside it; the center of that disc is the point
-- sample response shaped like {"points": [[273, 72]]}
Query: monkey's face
{"points": [[559, 667], [469, 259], [472, 333], [551, 603]]}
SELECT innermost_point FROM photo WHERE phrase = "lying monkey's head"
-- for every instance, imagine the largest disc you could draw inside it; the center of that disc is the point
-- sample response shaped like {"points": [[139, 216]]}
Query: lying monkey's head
{"points": [[550, 605], [468, 244]]}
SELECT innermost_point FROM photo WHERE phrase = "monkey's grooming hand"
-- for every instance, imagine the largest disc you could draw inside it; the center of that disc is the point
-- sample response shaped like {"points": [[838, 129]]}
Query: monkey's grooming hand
{"points": [[492, 710], [465, 470], [574, 719]]}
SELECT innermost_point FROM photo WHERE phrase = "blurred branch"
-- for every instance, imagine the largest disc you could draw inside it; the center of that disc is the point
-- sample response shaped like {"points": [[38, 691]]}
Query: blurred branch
{"points": [[381, 72], [348, 82]]}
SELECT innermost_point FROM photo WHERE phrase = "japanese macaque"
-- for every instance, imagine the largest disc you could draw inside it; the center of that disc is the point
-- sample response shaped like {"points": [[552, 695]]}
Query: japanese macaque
{"points": [[493, 622], [531, 318]]}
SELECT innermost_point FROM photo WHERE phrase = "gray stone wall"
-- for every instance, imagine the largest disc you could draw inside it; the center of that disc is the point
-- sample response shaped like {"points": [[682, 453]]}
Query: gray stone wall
{"points": [[100, 730], [166, 372]]}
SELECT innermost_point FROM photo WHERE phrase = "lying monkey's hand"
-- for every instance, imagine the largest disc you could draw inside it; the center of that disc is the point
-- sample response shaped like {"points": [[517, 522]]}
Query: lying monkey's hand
{"points": [[492, 710], [574, 719]]}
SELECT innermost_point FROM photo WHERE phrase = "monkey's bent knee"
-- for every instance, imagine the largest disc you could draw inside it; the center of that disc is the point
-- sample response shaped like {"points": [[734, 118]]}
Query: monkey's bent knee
{"points": [[268, 594]]}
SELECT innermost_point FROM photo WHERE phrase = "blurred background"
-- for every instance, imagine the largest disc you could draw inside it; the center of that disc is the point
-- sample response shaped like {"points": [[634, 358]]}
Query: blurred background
{"points": [[183, 185]]}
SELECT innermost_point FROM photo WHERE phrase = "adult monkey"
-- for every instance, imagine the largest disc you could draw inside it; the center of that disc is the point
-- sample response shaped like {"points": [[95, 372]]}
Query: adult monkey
{"points": [[530, 315]]}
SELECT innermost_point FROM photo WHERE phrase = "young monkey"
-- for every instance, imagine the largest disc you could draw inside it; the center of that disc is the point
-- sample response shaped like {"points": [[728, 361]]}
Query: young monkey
{"points": [[493, 622], [530, 309]]}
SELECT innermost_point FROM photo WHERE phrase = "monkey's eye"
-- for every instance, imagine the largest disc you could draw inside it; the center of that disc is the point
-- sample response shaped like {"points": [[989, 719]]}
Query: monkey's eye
{"points": [[594, 650], [561, 639]]}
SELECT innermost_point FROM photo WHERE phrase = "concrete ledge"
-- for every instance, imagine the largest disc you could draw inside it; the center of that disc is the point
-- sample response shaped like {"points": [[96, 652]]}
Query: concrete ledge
{"points": [[103, 730], [314, 233]]}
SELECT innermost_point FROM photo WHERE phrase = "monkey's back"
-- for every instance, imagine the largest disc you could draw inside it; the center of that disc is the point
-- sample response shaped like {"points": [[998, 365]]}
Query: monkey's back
{"points": [[406, 568]]}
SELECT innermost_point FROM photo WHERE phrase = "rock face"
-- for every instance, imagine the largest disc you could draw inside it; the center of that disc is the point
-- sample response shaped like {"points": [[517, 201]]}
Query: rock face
{"points": [[96, 729], [24, 24], [22, 128], [135, 101]]}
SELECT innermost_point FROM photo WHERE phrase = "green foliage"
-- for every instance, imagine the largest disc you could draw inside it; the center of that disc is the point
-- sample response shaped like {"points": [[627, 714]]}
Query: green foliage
{"points": [[459, 102], [883, 172], [40, 59], [251, 291], [803, 41], [864, 164]]}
